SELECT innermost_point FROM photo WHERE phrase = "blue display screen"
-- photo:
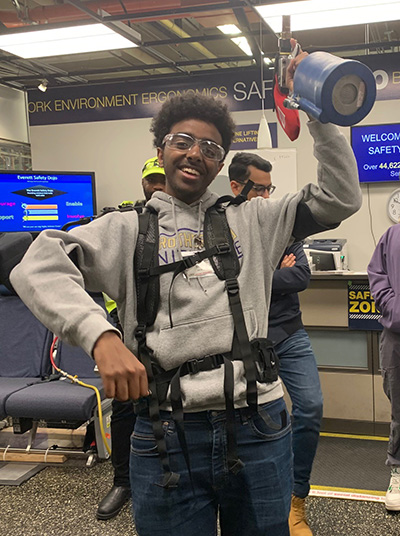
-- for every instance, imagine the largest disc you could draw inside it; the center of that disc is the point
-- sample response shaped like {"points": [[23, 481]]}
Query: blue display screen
{"points": [[377, 151], [34, 201]]}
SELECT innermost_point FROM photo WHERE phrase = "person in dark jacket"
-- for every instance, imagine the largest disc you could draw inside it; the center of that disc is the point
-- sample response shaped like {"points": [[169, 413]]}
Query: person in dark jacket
{"points": [[298, 368], [384, 280]]}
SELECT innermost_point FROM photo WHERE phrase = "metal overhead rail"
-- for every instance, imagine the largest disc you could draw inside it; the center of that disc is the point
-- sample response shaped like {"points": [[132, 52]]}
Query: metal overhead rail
{"points": [[244, 23], [171, 76], [205, 61]]}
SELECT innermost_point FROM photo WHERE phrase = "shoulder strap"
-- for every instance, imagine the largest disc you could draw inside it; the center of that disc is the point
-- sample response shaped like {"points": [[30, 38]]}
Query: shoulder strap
{"points": [[217, 231], [148, 298], [227, 268], [146, 258]]}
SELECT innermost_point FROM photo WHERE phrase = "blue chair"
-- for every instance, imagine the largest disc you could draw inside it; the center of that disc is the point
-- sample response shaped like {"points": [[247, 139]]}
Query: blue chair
{"points": [[24, 345], [31, 397]]}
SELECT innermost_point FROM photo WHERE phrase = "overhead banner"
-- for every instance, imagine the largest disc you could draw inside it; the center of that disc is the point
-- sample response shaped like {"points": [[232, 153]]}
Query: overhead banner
{"points": [[363, 313], [241, 90], [132, 100]]}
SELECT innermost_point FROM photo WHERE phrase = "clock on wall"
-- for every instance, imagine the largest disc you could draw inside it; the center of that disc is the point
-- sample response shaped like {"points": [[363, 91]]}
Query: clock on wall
{"points": [[393, 206]]}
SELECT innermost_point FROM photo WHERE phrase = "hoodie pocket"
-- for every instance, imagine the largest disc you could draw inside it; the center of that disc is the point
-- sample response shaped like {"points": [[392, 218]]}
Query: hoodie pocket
{"points": [[200, 337]]}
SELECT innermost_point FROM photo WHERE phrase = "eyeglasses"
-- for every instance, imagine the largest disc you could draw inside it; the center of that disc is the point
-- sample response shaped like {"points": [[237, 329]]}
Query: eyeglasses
{"points": [[260, 188], [184, 142]]}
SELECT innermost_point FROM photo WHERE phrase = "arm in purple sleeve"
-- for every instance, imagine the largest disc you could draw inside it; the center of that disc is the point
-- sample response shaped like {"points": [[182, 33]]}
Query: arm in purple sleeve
{"points": [[380, 280]]}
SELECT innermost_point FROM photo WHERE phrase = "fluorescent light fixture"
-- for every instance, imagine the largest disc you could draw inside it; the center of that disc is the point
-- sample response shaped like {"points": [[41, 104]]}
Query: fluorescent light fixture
{"points": [[69, 40], [241, 42], [268, 61], [312, 14], [229, 29]]}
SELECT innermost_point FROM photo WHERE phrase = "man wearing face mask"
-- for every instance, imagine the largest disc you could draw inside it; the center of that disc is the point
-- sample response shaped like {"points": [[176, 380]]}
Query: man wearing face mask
{"points": [[298, 367]]}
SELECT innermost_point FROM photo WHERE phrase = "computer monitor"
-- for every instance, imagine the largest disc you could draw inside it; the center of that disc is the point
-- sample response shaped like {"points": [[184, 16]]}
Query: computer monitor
{"points": [[36, 200]]}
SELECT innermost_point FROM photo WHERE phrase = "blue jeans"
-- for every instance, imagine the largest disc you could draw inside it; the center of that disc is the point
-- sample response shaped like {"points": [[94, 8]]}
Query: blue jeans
{"points": [[255, 502], [299, 373]]}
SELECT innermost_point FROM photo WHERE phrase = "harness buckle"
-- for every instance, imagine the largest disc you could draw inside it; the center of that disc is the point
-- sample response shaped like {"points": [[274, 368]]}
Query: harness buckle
{"points": [[193, 365], [211, 362], [143, 272], [232, 286], [222, 248], [140, 331], [191, 261]]}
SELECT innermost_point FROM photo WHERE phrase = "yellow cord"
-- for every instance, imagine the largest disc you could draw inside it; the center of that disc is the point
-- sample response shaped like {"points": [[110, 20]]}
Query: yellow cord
{"points": [[74, 379]]}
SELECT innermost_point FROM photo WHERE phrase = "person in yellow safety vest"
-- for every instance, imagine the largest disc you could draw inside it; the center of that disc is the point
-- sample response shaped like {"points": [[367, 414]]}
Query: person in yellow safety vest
{"points": [[123, 417]]}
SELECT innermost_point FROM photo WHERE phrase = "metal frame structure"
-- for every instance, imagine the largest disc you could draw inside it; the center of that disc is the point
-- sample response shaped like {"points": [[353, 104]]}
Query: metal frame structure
{"points": [[179, 38]]}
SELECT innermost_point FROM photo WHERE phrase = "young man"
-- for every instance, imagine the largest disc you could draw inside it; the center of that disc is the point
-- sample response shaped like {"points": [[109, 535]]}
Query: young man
{"points": [[123, 417], [384, 280], [298, 367], [239, 457]]}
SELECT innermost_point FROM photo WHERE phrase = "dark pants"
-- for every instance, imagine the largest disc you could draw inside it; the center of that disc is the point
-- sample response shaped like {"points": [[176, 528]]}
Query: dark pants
{"points": [[390, 364], [122, 424]]}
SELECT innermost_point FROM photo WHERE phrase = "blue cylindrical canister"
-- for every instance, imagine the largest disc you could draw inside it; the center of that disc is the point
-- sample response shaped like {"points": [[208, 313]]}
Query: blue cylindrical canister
{"points": [[334, 90]]}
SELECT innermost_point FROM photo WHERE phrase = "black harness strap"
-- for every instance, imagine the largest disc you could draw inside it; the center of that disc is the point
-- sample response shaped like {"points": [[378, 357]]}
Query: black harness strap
{"points": [[177, 415], [147, 289], [227, 270], [230, 272], [188, 262], [234, 462]]}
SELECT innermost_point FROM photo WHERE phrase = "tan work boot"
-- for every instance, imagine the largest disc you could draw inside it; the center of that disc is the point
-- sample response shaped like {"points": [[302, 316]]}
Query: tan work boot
{"points": [[297, 518]]}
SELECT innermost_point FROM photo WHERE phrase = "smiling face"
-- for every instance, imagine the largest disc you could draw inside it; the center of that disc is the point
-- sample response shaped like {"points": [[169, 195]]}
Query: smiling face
{"points": [[188, 173]]}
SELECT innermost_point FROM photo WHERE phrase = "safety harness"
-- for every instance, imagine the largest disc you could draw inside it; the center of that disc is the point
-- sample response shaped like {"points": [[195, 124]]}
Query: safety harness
{"points": [[258, 356]]}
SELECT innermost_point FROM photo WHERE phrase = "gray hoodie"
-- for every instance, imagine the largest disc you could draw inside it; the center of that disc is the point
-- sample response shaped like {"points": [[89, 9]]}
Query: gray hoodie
{"points": [[51, 284]]}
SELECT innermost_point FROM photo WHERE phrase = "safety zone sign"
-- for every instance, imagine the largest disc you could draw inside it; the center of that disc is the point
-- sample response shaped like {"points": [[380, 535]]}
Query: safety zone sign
{"points": [[363, 313]]}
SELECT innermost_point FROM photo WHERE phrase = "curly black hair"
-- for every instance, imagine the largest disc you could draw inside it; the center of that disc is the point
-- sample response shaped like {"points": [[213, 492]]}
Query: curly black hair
{"points": [[193, 106]]}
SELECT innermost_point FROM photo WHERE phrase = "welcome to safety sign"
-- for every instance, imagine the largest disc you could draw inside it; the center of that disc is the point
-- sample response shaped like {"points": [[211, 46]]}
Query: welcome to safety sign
{"points": [[363, 313]]}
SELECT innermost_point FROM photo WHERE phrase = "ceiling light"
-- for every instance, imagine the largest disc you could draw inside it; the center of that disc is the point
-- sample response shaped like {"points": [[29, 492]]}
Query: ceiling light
{"points": [[241, 42], [43, 85], [312, 14], [229, 29], [69, 40]]}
